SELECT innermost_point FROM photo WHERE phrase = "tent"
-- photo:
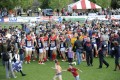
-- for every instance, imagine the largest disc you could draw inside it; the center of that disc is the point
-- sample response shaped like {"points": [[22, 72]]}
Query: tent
{"points": [[83, 4]]}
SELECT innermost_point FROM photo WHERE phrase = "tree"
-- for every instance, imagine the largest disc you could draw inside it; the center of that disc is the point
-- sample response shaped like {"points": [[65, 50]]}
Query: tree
{"points": [[115, 4], [9, 4], [45, 4], [94, 1], [59, 4]]}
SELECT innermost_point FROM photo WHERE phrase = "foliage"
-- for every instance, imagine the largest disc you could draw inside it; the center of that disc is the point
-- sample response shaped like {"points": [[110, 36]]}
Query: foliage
{"points": [[9, 4], [94, 1], [45, 4], [55, 4], [25, 4], [115, 4], [102, 3]]}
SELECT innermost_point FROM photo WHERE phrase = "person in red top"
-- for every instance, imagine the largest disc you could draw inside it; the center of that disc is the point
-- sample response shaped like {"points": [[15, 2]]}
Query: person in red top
{"points": [[74, 71], [28, 44], [53, 45]]}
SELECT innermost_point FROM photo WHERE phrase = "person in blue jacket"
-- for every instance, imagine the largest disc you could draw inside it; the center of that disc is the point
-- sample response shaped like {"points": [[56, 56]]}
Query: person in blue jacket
{"points": [[101, 49]]}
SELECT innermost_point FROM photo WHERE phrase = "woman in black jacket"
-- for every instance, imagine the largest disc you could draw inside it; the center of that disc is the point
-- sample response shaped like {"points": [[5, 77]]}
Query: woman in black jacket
{"points": [[116, 50]]}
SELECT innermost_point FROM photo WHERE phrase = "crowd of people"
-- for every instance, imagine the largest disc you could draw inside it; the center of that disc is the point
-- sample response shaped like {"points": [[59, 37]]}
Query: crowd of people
{"points": [[63, 12], [67, 41]]}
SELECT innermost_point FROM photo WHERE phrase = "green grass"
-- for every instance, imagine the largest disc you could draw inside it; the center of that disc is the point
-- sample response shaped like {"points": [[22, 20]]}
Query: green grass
{"points": [[35, 71]]}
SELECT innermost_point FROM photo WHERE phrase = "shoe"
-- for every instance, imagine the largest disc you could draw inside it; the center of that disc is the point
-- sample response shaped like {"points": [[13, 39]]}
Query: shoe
{"points": [[47, 59], [114, 70], [15, 77], [88, 64], [23, 74], [33, 60], [25, 62], [107, 66], [74, 63], [42, 63], [39, 63]]}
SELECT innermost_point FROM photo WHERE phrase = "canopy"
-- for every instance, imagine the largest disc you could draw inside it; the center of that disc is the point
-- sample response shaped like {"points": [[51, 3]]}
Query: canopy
{"points": [[84, 4]]}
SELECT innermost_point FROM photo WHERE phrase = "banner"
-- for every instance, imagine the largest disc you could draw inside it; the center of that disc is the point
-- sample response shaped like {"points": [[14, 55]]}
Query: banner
{"points": [[12, 19], [1, 20], [57, 18], [75, 18]]}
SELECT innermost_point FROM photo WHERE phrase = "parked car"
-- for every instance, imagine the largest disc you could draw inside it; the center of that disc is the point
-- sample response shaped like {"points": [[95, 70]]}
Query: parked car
{"points": [[47, 12]]}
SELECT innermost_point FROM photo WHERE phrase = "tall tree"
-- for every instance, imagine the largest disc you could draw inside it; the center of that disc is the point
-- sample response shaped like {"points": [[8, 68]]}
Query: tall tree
{"points": [[94, 1], [115, 4], [59, 4]]}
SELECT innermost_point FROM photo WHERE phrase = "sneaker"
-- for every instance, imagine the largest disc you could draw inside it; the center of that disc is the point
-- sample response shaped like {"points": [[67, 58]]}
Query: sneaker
{"points": [[23, 74], [15, 77], [47, 59], [107, 66], [25, 62], [33, 60], [63, 60], [39, 63], [74, 63], [42, 63], [28, 62]]}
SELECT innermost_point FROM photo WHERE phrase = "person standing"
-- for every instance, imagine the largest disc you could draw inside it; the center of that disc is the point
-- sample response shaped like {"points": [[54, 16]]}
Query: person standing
{"points": [[78, 47], [53, 44], [41, 46], [70, 56], [28, 44], [7, 60], [101, 49], [62, 47], [89, 52], [116, 52]]}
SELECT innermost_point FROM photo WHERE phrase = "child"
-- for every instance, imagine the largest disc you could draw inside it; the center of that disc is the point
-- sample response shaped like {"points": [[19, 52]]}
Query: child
{"points": [[17, 64], [58, 71], [74, 71], [71, 56]]}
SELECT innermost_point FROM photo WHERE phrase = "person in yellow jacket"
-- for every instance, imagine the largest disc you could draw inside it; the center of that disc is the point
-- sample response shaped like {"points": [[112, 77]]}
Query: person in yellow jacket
{"points": [[74, 38]]}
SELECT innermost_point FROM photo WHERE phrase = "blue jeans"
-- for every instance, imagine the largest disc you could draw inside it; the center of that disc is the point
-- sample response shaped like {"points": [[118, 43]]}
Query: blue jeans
{"points": [[79, 56], [21, 57], [77, 78]]}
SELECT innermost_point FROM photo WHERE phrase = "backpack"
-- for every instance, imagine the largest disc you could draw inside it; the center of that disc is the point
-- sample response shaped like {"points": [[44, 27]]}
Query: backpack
{"points": [[5, 56]]}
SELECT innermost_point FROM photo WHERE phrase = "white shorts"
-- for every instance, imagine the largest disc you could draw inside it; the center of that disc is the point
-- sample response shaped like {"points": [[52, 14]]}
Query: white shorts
{"points": [[95, 46], [52, 48], [46, 48], [40, 50], [28, 49], [33, 49], [62, 49]]}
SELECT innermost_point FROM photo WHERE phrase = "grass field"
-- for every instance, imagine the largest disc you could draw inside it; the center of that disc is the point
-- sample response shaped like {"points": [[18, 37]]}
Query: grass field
{"points": [[35, 71]]}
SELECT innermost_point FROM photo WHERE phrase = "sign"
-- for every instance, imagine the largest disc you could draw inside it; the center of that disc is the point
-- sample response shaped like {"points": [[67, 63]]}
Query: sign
{"points": [[75, 18], [1, 20], [57, 18], [12, 19], [6, 19]]}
